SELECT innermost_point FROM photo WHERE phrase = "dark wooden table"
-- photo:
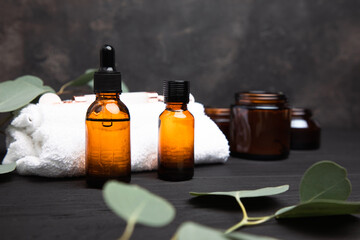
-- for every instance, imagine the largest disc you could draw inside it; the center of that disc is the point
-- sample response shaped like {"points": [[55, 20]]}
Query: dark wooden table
{"points": [[42, 208]]}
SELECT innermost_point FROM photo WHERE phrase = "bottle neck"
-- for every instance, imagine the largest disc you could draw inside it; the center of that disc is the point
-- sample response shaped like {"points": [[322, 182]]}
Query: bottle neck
{"points": [[107, 96], [176, 106]]}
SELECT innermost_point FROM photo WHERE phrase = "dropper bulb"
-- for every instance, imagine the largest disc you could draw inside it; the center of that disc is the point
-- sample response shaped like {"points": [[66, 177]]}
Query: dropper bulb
{"points": [[107, 58], [107, 79]]}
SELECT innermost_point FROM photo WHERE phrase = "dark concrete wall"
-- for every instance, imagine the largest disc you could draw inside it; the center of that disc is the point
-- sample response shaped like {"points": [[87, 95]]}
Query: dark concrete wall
{"points": [[309, 49]]}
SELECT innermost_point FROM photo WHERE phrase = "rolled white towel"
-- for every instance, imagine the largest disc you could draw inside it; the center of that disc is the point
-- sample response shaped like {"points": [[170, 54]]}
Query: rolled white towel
{"points": [[49, 139]]}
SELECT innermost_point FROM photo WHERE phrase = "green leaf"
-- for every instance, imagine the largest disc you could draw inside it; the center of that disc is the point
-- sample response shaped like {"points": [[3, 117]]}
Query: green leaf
{"points": [[31, 79], [268, 191], [325, 180], [247, 236], [17, 93], [246, 220], [79, 81], [191, 230], [323, 191], [132, 202], [124, 87], [6, 168], [84, 78], [317, 208], [195, 231]]}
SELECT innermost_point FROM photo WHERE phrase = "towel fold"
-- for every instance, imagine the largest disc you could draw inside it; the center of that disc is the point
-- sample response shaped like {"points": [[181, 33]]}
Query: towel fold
{"points": [[49, 139]]}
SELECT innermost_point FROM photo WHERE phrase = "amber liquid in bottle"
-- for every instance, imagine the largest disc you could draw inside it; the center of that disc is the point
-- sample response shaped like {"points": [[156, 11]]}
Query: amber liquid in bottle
{"points": [[176, 143], [107, 140]]}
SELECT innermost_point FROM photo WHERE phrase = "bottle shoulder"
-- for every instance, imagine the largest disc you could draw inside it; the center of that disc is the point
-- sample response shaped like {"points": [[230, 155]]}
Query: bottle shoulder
{"points": [[108, 109], [177, 114]]}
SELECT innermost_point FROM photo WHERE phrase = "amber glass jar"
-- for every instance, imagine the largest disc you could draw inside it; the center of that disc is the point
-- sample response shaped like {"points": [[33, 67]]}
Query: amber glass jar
{"points": [[260, 126], [221, 116], [305, 131]]}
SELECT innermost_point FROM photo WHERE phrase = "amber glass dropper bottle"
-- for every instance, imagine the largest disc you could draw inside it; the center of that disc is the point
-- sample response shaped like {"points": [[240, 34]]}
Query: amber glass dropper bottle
{"points": [[176, 134], [107, 127]]}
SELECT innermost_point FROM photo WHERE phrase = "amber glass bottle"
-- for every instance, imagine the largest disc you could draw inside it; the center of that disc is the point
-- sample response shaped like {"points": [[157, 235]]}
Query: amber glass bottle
{"points": [[260, 126], [305, 131], [107, 127], [176, 134]]}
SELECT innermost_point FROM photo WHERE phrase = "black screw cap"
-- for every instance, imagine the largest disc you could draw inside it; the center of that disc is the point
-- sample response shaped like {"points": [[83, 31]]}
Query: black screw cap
{"points": [[176, 91]]}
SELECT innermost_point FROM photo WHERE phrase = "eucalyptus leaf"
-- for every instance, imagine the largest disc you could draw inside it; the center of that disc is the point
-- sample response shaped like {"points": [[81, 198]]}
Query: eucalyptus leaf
{"points": [[132, 202], [6, 168], [124, 87], [323, 191], [91, 70], [17, 93], [80, 81], [325, 180], [31, 79], [195, 231], [84, 78], [268, 191], [317, 208], [247, 236]]}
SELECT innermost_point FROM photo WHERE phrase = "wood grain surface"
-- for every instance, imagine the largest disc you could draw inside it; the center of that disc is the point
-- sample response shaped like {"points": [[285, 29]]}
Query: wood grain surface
{"points": [[43, 208]]}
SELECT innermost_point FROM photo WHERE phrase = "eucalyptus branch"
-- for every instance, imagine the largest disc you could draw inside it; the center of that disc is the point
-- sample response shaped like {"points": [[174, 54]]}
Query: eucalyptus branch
{"points": [[246, 220], [79, 81], [62, 89]]}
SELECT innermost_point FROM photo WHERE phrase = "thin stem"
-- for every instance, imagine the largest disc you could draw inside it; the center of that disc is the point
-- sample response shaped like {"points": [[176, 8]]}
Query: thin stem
{"points": [[243, 220], [236, 226], [263, 219], [246, 221], [128, 230], [175, 237], [258, 218], [255, 218], [131, 222], [61, 91], [241, 206]]}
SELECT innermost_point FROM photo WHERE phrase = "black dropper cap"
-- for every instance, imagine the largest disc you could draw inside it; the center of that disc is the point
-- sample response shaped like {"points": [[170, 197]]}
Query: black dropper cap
{"points": [[107, 79], [176, 91]]}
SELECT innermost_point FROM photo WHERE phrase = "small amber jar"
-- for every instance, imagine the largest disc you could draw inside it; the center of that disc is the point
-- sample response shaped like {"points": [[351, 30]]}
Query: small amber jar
{"points": [[260, 126], [221, 117], [305, 131]]}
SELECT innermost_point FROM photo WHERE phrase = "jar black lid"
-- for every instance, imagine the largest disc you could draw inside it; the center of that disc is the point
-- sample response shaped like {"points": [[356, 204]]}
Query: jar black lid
{"points": [[176, 91], [107, 79]]}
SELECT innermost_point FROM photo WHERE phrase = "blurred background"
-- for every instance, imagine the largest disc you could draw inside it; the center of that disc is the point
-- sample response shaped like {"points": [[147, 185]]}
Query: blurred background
{"points": [[308, 49]]}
